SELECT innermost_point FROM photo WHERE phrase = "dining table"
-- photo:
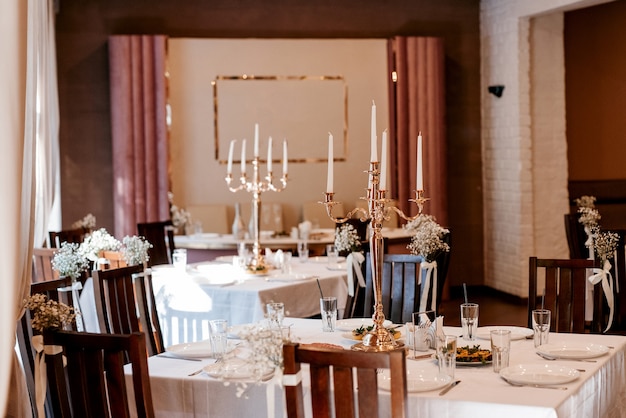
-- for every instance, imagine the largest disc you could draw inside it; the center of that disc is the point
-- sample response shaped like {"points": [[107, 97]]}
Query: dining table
{"points": [[593, 387]]}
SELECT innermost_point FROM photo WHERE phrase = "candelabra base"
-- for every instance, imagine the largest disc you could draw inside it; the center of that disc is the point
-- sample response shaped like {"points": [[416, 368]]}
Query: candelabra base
{"points": [[377, 341]]}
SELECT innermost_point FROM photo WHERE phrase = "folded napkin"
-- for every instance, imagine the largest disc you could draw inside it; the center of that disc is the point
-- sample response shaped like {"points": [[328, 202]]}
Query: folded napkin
{"points": [[305, 229], [439, 333]]}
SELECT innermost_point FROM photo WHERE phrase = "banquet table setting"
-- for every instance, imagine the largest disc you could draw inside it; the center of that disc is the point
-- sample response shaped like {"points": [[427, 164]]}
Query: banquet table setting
{"points": [[587, 372]]}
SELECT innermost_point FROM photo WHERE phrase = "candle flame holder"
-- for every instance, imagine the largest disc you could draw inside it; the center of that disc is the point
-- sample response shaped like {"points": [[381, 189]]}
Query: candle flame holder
{"points": [[378, 210], [256, 186]]}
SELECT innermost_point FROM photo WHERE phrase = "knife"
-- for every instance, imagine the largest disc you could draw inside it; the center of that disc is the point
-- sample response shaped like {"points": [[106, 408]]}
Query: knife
{"points": [[450, 386]]}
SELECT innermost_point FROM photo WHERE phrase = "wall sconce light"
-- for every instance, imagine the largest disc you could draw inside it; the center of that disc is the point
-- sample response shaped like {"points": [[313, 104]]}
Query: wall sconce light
{"points": [[496, 90]]}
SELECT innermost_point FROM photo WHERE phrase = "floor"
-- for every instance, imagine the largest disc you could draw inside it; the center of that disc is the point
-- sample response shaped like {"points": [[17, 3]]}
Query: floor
{"points": [[495, 308]]}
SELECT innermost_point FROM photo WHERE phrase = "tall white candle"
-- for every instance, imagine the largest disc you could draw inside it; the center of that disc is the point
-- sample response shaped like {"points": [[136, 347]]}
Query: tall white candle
{"points": [[269, 155], [373, 152], [419, 183], [329, 177], [243, 157], [229, 168], [256, 139], [384, 163], [285, 159]]}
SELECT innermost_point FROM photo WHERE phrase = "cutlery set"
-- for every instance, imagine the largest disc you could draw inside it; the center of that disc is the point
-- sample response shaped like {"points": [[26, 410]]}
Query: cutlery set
{"points": [[530, 385]]}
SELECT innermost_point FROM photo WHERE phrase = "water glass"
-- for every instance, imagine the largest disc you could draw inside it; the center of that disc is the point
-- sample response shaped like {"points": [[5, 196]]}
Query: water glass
{"points": [[500, 348], [219, 337], [332, 255], [285, 266], [328, 309], [275, 314], [446, 354], [179, 259], [541, 326], [469, 320], [303, 251]]}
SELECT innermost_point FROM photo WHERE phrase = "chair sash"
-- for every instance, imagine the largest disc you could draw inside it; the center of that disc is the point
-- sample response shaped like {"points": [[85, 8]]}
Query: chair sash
{"points": [[353, 264], [604, 275], [428, 284], [41, 378]]}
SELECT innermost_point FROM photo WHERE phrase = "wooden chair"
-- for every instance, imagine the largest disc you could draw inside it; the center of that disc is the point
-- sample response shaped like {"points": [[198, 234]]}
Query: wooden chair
{"points": [[565, 287], [93, 383], [332, 374], [576, 237], [115, 259], [117, 306], [67, 235], [42, 265], [161, 236]]}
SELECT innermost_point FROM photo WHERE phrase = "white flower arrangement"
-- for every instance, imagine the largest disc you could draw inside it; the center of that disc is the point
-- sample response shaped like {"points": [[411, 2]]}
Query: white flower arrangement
{"points": [[427, 237], [88, 222], [98, 240], [48, 314], [588, 214], [605, 244], [69, 261], [347, 239], [135, 250], [180, 217]]}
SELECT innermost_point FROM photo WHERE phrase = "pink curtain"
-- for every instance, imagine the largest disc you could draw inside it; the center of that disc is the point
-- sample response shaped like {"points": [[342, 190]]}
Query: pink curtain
{"points": [[417, 104], [139, 130]]}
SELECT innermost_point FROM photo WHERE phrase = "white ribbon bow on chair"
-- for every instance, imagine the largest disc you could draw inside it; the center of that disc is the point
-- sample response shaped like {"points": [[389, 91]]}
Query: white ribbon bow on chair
{"points": [[604, 275], [353, 264], [428, 284], [41, 377]]}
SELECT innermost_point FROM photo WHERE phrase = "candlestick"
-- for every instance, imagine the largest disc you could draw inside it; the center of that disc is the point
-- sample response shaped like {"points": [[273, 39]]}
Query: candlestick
{"points": [[243, 157], [419, 183], [384, 162], [329, 177], [269, 155], [373, 148], [256, 139], [229, 169], [285, 159]]}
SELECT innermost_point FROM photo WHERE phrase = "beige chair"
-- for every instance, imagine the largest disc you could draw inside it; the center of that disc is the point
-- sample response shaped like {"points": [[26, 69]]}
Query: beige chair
{"points": [[214, 218], [316, 213], [271, 216]]}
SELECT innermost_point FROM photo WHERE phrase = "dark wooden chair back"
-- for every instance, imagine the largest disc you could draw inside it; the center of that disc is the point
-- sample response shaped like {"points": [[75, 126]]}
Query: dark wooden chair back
{"points": [[565, 289], [93, 383], [42, 265], [148, 315], [333, 376], [161, 236], [67, 235], [576, 237], [117, 307]]}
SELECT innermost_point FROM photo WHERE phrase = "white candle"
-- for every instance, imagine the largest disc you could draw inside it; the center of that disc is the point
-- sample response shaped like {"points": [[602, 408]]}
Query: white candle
{"points": [[285, 159], [374, 152], [256, 140], [243, 157], [329, 177], [269, 155], [383, 164], [419, 183], [229, 168]]}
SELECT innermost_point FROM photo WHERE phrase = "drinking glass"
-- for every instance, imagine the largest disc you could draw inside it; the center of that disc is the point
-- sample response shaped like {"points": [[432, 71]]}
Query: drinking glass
{"points": [[179, 259], [303, 251], [446, 354], [500, 348], [328, 309], [541, 326], [332, 255], [469, 320], [219, 339], [275, 314]]}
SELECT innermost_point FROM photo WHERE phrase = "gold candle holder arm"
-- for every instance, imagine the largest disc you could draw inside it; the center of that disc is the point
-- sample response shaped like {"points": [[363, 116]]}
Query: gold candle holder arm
{"points": [[419, 201], [329, 203]]}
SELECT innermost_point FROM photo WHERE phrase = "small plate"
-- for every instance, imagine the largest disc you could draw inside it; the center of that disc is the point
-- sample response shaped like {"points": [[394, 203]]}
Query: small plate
{"points": [[235, 369], [417, 380], [228, 259], [353, 323], [199, 349], [337, 267], [573, 351], [324, 259], [539, 374], [517, 333], [291, 277], [213, 281]]}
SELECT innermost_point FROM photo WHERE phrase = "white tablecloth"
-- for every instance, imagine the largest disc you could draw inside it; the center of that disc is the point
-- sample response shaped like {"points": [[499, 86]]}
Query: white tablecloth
{"points": [[599, 392]]}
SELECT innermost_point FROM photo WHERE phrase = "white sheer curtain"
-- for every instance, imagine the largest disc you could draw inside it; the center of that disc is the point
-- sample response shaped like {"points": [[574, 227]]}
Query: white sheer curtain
{"points": [[29, 166]]}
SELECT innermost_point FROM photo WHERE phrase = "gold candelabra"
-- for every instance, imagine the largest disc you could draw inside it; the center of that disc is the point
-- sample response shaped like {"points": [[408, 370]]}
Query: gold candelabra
{"points": [[256, 186], [378, 209]]}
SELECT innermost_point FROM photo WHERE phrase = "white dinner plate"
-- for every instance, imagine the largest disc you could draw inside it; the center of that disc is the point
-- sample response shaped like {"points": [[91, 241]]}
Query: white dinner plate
{"points": [[324, 259], [573, 351], [337, 267], [291, 277], [236, 369], [517, 333], [219, 280], [199, 349], [539, 374], [228, 259], [417, 380], [353, 323]]}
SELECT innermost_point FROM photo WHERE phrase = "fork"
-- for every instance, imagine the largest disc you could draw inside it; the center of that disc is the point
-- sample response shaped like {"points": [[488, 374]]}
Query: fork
{"points": [[533, 385]]}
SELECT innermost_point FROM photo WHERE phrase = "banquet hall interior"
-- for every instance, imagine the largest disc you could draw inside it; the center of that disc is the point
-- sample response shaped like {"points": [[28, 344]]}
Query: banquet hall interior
{"points": [[520, 111]]}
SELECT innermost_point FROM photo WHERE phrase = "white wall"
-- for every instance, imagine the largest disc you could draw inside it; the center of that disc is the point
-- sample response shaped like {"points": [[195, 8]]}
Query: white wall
{"points": [[193, 63]]}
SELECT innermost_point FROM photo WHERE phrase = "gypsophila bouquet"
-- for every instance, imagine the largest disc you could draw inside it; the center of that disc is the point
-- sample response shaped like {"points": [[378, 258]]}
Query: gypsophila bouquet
{"points": [[605, 244], [347, 239], [48, 314], [588, 214], [135, 250], [180, 217], [88, 222], [427, 237], [69, 261], [98, 240]]}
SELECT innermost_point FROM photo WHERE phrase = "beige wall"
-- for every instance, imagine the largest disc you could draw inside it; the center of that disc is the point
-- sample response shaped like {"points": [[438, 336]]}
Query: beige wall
{"points": [[197, 178]]}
